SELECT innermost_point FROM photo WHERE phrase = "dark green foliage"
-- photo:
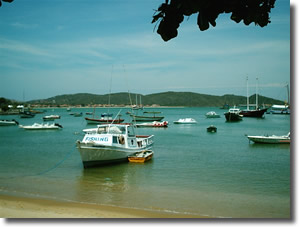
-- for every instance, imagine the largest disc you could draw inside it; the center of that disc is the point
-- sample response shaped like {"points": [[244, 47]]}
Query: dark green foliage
{"points": [[172, 14], [162, 99], [5, 1]]}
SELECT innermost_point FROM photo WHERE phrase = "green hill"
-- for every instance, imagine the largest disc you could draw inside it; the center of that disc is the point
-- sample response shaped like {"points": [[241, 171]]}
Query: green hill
{"points": [[161, 99]]}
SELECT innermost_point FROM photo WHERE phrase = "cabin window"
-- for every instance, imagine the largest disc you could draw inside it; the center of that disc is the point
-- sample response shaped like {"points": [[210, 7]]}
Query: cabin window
{"points": [[115, 139], [130, 131]]}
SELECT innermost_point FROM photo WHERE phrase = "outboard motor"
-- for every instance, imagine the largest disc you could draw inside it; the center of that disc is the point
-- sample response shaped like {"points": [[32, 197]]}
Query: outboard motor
{"points": [[56, 124], [17, 123]]}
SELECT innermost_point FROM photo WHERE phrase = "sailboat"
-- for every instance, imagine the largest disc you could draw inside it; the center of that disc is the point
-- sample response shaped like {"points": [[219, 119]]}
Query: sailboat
{"points": [[137, 106], [106, 118], [258, 113]]}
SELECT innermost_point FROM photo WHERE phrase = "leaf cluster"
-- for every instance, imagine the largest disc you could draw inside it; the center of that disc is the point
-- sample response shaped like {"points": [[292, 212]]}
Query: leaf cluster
{"points": [[5, 1], [169, 15]]}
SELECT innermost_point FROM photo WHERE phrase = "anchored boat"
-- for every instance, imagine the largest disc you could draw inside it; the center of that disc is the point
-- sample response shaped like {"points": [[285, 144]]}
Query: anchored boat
{"points": [[141, 157], [8, 122], [185, 121], [212, 114], [37, 126], [147, 117], [285, 139], [106, 118], [154, 124], [51, 117], [234, 114], [110, 143]]}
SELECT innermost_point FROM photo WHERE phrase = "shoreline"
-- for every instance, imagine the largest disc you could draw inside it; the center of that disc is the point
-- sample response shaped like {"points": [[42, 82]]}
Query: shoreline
{"points": [[25, 207]]}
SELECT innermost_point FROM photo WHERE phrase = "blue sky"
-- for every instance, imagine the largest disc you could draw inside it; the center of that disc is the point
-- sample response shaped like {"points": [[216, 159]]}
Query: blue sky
{"points": [[55, 47]]}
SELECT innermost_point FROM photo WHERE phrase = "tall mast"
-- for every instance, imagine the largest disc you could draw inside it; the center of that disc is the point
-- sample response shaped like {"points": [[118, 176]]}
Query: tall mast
{"points": [[288, 93], [247, 93], [256, 93]]}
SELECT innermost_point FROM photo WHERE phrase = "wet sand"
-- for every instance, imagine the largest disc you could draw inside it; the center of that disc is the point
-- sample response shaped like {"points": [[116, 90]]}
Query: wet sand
{"points": [[21, 207]]}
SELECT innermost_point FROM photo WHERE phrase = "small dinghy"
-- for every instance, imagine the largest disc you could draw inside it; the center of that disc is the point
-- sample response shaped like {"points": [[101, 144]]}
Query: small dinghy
{"points": [[37, 126], [212, 128], [212, 114], [141, 157]]}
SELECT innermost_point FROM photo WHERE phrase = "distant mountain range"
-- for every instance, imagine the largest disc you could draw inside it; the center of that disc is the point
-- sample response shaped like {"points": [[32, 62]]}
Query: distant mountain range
{"points": [[188, 99]]}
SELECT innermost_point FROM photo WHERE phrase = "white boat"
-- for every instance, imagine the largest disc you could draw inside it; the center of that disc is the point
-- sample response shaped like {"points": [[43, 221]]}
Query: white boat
{"points": [[37, 126], [279, 109], [154, 124], [8, 122], [51, 117], [285, 139], [110, 143], [185, 121], [212, 114]]}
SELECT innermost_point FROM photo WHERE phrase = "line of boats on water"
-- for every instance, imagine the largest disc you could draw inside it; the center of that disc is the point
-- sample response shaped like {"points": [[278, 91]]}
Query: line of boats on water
{"points": [[115, 141]]}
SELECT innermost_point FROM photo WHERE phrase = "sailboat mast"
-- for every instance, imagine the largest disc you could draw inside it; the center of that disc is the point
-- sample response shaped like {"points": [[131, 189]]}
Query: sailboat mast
{"points": [[247, 93], [288, 93], [256, 93]]}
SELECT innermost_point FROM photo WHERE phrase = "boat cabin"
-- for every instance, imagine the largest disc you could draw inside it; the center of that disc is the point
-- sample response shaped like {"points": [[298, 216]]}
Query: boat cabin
{"points": [[115, 135], [234, 110]]}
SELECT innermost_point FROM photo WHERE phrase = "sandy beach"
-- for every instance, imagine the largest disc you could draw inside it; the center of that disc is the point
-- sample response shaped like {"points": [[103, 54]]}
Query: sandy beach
{"points": [[21, 207]]}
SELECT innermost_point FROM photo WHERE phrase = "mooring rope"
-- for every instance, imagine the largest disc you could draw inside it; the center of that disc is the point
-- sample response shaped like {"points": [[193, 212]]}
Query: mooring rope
{"points": [[67, 155]]}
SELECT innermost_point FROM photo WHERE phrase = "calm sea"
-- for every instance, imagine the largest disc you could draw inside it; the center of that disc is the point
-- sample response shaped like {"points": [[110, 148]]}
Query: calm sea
{"points": [[192, 171]]}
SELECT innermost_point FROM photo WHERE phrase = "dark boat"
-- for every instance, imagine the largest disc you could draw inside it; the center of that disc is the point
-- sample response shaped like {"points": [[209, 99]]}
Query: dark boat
{"points": [[212, 128], [259, 113], [27, 114], [147, 118], [105, 118], [233, 115]]}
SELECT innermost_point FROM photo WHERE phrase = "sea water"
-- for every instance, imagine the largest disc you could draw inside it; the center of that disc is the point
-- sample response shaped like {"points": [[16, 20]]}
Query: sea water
{"points": [[192, 171]]}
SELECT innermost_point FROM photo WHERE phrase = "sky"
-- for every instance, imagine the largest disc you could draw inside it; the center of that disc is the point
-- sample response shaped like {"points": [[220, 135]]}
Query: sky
{"points": [[55, 47]]}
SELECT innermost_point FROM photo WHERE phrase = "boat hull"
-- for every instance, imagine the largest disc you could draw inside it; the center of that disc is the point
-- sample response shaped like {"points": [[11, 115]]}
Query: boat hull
{"points": [[101, 155], [254, 113], [7, 123], [100, 121], [233, 117], [145, 118], [144, 158], [269, 140]]}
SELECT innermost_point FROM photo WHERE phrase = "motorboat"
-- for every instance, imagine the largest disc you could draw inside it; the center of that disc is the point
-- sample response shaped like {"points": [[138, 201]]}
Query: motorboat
{"points": [[26, 114], [211, 128], [141, 157], [37, 126], [285, 139], [146, 116], [111, 143], [154, 124], [233, 114], [279, 109], [185, 121], [8, 122], [212, 114], [51, 117], [105, 118]]}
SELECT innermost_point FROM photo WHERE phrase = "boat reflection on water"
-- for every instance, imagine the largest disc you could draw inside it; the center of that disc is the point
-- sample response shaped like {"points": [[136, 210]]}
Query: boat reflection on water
{"points": [[113, 185]]}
